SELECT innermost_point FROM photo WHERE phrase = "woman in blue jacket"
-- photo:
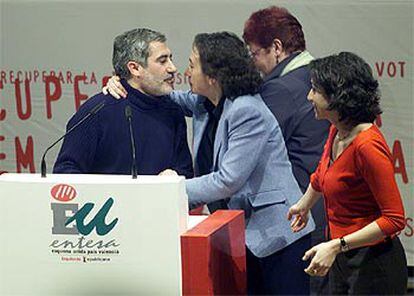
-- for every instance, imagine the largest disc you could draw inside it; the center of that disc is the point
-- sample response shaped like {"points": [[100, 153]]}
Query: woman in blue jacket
{"points": [[250, 169]]}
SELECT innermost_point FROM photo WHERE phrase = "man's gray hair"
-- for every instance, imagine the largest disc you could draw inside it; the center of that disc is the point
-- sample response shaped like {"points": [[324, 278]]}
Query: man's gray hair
{"points": [[133, 45]]}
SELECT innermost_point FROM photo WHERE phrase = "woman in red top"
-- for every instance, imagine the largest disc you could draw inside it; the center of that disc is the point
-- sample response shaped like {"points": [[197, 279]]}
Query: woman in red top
{"points": [[356, 177]]}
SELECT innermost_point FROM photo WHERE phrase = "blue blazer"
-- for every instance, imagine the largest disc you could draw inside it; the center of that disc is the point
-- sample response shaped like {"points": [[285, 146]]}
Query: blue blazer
{"points": [[251, 168]]}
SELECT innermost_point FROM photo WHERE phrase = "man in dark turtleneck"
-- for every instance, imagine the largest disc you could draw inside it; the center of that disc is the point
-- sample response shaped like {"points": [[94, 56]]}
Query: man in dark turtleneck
{"points": [[103, 144]]}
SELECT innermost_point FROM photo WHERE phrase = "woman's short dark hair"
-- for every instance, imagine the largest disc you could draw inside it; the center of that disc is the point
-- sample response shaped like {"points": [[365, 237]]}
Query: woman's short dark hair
{"points": [[225, 57], [347, 82]]}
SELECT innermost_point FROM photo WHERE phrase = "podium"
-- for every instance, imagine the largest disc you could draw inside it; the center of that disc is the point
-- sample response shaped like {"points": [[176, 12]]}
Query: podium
{"points": [[214, 256], [110, 235]]}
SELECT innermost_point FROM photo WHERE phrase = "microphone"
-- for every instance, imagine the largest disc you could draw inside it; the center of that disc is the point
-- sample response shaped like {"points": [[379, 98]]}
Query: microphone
{"points": [[128, 115], [93, 111]]}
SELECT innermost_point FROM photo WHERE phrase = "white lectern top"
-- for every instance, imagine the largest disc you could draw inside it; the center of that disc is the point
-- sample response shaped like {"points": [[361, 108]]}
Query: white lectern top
{"points": [[91, 234]]}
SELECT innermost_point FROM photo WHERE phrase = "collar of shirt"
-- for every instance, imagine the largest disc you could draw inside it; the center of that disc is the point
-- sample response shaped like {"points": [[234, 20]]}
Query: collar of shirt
{"points": [[214, 112], [277, 71]]}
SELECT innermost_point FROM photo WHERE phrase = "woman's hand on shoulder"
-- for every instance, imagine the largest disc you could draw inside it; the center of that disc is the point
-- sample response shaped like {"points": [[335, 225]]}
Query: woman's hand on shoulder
{"points": [[115, 88]]}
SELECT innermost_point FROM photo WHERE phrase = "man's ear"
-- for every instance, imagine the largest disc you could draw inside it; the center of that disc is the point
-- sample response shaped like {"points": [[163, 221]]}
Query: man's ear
{"points": [[135, 68]]}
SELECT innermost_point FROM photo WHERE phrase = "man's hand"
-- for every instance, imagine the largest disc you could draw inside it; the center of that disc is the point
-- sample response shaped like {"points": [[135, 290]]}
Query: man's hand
{"points": [[115, 88], [168, 172]]}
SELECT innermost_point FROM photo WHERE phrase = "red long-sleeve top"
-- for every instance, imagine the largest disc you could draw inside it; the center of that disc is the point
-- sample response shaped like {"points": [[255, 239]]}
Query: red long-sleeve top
{"points": [[359, 186]]}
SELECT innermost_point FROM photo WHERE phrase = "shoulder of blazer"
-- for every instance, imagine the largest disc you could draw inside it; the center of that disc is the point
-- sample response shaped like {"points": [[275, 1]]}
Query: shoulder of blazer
{"points": [[244, 101], [248, 106]]}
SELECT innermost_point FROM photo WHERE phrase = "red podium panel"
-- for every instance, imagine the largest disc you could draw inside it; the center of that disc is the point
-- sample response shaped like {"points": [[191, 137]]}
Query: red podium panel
{"points": [[214, 256]]}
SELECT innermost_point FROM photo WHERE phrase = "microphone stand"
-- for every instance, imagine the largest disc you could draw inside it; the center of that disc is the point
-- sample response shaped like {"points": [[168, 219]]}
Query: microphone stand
{"points": [[94, 110], [128, 115]]}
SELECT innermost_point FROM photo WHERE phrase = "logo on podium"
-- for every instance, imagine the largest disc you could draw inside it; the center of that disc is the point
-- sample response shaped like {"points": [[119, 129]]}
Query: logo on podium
{"points": [[72, 219], [63, 192]]}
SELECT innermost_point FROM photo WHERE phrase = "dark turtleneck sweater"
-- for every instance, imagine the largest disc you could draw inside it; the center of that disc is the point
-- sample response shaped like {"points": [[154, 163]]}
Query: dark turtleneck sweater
{"points": [[102, 144]]}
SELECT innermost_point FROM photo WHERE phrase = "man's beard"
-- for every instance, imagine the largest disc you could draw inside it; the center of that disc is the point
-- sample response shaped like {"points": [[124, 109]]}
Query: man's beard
{"points": [[156, 86]]}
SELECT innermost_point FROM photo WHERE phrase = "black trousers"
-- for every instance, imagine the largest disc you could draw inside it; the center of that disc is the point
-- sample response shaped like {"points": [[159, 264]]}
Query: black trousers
{"points": [[280, 273], [318, 285], [375, 270]]}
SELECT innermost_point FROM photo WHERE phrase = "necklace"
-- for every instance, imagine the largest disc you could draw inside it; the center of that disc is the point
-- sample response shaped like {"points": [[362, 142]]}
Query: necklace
{"points": [[344, 136], [355, 130]]}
